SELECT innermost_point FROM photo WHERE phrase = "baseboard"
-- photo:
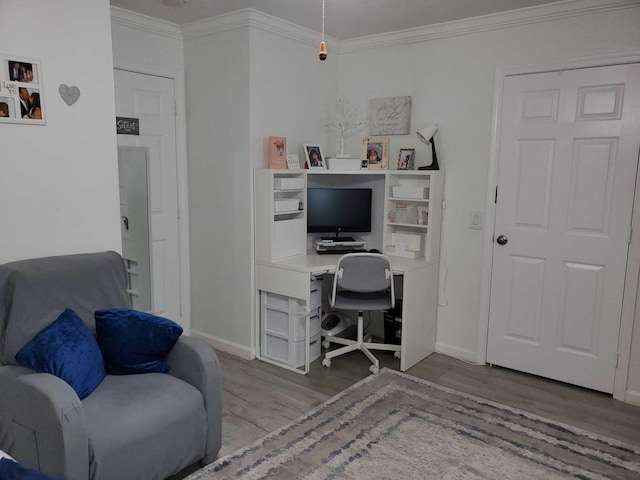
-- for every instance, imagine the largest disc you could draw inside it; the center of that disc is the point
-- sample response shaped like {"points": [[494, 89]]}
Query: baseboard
{"points": [[632, 397], [456, 352], [226, 346]]}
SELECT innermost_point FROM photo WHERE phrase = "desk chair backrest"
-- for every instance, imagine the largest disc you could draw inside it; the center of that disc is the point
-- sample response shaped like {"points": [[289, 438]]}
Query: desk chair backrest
{"points": [[363, 277]]}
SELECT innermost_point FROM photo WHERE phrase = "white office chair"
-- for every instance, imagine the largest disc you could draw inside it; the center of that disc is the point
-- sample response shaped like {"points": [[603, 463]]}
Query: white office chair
{"points": [[363, 281]]}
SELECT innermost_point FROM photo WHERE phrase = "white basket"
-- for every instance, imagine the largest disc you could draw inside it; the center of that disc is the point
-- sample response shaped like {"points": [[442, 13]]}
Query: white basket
{"points": [[286, 205], [288, 183], [400, 191]]}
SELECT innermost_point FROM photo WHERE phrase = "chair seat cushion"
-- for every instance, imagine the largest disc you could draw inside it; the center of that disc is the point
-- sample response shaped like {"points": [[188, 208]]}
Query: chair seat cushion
{"points": [[67, 349], [144, 426], [135, 342]]}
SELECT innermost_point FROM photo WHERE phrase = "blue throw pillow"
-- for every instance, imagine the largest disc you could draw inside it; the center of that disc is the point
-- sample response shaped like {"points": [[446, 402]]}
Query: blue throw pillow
{"points": [[10, 470], [67, 349], [135, 342]]}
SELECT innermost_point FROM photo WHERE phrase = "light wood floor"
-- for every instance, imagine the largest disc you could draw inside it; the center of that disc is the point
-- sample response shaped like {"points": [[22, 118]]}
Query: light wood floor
{"points": [[260, 397]]}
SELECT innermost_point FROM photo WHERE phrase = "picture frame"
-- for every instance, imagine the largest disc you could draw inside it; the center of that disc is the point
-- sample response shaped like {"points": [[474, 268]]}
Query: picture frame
{"points": [[293, 161], [314, 158], [406, 158], [21, 91], [278, 152], [376, 151]]}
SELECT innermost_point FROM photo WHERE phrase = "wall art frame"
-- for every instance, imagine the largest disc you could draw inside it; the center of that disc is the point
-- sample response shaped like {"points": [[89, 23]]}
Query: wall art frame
{"points": [[21, 91], [390, 116]]}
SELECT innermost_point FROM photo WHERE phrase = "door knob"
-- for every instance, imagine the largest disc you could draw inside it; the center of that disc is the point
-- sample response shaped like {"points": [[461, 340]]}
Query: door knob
{"points": [[502, 240]]}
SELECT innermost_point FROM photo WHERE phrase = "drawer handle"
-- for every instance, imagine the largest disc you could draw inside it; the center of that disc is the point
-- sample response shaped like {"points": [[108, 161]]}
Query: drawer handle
{"points": [[313, 343]]}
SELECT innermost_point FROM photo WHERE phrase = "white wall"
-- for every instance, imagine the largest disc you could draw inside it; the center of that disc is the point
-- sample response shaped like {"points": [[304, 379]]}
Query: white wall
{"points": [[59, 182], [450, 80], [243, 84], [145, 44], [218, 99]]}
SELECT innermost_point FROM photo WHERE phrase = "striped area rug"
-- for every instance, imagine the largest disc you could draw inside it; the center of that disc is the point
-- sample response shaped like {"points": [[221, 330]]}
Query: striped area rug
{"points": [[393, 426]]}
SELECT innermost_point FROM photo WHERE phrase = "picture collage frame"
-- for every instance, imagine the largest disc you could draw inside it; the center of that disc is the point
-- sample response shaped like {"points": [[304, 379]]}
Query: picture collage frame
{"points": [[21, 91]]}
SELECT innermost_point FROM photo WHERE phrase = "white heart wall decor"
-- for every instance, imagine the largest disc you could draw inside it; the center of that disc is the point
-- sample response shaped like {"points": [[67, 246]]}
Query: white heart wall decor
{"points": [[69, 94]]}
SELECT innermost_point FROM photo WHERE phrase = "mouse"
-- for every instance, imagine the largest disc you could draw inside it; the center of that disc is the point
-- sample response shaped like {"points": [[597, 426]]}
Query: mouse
{"points": [[374, 250]]}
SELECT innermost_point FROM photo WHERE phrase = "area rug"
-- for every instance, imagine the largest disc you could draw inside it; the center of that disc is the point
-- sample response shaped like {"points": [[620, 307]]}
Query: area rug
{"points": [[394, 426]]}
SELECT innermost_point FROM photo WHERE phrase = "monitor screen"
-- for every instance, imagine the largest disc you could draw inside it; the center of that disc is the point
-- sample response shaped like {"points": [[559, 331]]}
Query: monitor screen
{"points": [[335, 210]]}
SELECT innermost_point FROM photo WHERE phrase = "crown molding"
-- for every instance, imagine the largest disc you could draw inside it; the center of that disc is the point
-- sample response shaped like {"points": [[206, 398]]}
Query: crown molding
{"points": [[485, 23], [249, 17], [127, 18]]}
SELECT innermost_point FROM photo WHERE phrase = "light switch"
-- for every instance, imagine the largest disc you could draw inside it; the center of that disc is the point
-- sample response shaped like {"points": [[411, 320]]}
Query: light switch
{"points": [[475, 221]]}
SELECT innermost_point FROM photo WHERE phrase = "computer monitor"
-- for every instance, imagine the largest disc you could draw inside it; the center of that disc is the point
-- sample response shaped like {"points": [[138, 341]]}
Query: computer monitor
{"points": [[338, 210]]}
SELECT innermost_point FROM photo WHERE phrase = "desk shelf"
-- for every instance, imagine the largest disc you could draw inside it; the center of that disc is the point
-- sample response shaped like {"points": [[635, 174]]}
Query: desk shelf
{"points": [[407, 200], [280, 234], [410, 225], [414, 220]]}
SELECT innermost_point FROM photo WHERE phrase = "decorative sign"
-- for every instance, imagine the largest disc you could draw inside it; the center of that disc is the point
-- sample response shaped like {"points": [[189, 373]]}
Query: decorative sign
{"points": [[21, 98], [127, 126], [390, 116], [70, 95]]}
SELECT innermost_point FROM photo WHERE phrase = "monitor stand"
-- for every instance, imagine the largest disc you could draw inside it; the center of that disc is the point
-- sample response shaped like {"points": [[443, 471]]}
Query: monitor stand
{"points": [[339, 239]]}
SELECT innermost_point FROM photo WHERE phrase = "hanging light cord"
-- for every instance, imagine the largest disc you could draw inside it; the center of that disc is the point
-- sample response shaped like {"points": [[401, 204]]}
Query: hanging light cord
{"points": [[322, 55], [323, 20]]}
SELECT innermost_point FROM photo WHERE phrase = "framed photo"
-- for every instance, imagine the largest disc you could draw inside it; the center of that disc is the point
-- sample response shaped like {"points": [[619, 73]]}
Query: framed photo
{"points": [[376, 151], [21, 91], [314, 158], [293, 161], [406, 158], [277, 152]]}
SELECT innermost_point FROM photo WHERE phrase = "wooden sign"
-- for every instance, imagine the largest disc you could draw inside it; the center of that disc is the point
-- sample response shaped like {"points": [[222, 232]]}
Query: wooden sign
{"points": [[127, 126]]}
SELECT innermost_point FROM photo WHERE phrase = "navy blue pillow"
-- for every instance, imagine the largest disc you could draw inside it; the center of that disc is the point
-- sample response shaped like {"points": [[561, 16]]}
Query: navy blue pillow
{"points": [[10, 470], [135, 342], [67, 349]]}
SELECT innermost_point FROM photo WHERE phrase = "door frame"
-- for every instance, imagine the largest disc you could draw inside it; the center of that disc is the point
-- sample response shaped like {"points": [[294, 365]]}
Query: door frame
{"points": [[177, 75], [633, 257]]}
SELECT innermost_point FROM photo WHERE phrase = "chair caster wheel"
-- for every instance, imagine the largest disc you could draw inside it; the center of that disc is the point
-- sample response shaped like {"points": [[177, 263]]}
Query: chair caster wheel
{"points": [[326, 344], [374, 369], [397, 355], [326, 362]]}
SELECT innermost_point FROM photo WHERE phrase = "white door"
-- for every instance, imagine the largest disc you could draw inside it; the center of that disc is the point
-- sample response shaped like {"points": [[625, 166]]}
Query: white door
{"points": [[568, 154], [151, 99]]}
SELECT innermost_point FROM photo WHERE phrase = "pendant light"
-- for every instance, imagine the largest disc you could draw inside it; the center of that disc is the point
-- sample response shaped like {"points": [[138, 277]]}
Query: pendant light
{"points": [[322, 55]]}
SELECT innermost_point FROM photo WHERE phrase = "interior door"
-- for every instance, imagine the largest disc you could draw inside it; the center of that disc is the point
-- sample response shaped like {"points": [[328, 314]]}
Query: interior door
{"points": [[568, 154], [151, 99]]}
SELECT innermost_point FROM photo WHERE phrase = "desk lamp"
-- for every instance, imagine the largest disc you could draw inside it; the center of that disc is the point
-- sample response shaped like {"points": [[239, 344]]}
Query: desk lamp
{"points": [[426, 136]]}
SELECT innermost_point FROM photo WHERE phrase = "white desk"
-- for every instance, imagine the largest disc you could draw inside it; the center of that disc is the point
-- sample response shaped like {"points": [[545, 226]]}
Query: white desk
{"points": [[419, 290]]}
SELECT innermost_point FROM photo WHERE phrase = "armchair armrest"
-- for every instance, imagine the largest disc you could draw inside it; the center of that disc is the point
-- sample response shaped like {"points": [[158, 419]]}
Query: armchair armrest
{"points": [[195, 362], [42, 423]]}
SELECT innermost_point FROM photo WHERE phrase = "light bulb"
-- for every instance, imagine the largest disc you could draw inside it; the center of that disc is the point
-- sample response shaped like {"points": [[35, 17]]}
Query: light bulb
{"points": [[322, 55]]}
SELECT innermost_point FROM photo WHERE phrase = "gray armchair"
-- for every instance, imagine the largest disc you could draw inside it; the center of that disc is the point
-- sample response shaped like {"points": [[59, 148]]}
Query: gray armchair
{"points": [[146, 426]]}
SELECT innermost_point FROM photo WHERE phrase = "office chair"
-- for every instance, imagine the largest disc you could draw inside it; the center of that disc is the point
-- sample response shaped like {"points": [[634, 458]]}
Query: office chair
{"points": [[363, 281]]}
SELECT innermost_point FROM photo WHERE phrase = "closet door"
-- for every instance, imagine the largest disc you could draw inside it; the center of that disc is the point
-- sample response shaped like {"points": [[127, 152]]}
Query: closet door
{"points": [[568, 156]]}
